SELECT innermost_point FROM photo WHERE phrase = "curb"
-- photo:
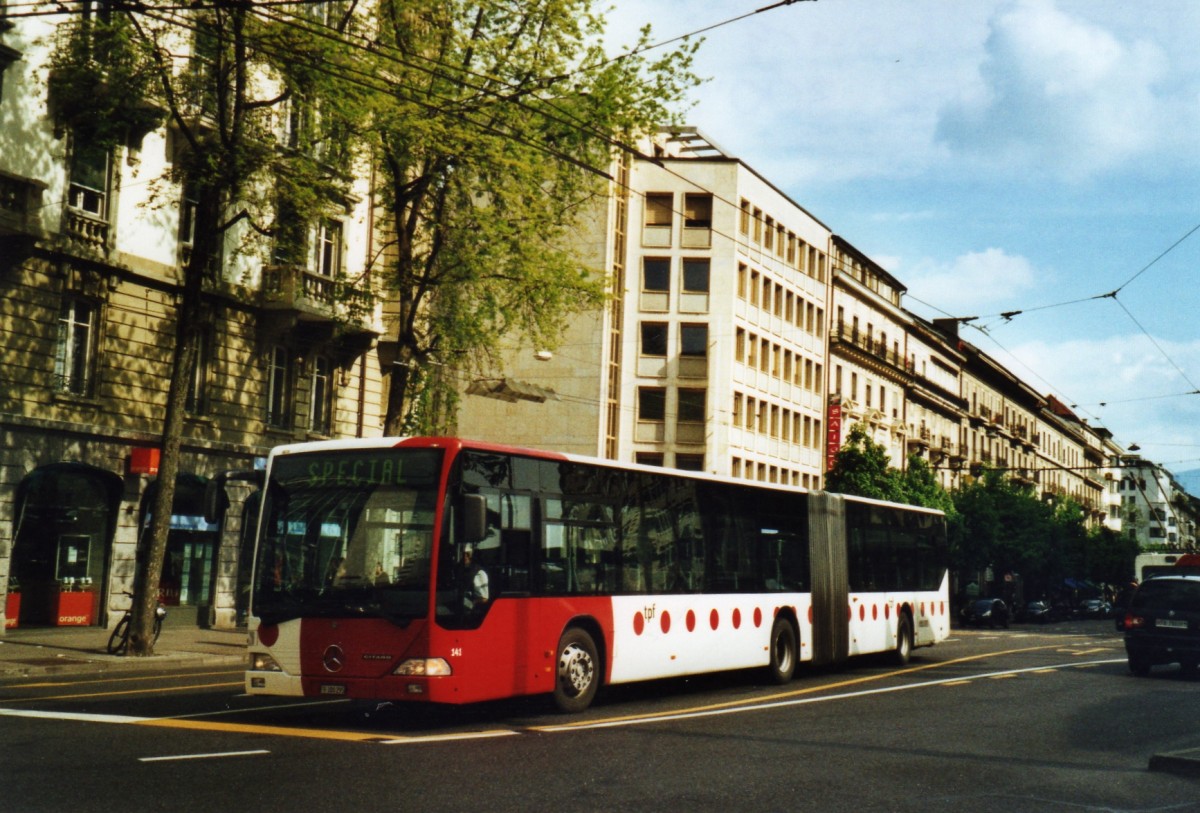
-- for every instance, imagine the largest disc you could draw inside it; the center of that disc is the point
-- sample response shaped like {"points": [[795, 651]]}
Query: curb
{"points": [[24, 659], [100, 665]]}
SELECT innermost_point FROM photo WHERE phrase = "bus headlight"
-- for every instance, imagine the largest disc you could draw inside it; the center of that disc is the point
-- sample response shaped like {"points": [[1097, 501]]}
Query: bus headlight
{"points": [[262, 662], [423, 667]]}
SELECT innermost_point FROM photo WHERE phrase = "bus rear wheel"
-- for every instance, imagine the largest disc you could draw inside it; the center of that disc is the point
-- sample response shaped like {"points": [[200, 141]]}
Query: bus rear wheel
{"points": [[577, 673], [783, 651], [904, 640]]}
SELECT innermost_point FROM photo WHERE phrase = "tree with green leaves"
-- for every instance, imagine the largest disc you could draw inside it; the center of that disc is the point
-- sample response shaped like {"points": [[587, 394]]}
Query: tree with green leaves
{"points": [[221, 77], [920, 486], [862, 467], [493, 144]]}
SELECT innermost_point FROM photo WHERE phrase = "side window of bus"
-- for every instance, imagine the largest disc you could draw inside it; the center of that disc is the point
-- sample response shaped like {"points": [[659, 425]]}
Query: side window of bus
{"points": [[861, 564], [783, 541], [732, 540], [579, 547], [662, 548]]}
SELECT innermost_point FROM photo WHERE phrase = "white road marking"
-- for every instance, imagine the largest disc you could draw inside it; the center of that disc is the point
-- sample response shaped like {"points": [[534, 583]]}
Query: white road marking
{"points": [[204, 756], [691, 715], [73, 716]]}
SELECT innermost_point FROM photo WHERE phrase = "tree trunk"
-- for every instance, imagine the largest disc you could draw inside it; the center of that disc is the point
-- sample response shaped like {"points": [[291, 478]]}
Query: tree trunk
{"points": [[189, 323]]}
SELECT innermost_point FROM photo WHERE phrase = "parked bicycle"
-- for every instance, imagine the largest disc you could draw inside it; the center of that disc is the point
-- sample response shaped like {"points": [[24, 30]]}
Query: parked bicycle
{"points": [[118, 642]]}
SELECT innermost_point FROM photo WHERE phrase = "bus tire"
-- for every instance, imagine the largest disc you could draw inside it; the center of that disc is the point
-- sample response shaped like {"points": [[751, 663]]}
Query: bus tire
{"points": [[904, 640], [577, 672], [784, 651]]}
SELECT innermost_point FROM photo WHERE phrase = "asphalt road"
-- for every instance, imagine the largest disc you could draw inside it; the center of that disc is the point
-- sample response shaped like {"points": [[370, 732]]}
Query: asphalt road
{"points": [[1016, 720]]}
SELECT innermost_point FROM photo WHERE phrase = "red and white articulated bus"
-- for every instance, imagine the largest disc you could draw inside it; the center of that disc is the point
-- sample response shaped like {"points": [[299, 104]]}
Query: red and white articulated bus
{"points": [[596, 573]]}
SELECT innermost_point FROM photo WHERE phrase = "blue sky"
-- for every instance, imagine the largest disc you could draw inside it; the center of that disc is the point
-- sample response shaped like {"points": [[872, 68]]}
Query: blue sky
{"points": [[995, 156]]}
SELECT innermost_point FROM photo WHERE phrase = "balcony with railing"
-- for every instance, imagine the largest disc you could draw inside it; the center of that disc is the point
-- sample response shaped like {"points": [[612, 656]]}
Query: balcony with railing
{"points": [[921, 439], [848, 335], [315, 298]]}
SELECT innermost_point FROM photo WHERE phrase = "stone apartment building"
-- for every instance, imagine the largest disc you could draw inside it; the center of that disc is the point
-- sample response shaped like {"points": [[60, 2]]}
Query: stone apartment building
{"points": [[92, 244], [1155, 508]]}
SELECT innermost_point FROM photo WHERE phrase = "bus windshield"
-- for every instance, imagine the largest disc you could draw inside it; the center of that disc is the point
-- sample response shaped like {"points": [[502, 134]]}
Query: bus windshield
{"points": [[347, 534]]}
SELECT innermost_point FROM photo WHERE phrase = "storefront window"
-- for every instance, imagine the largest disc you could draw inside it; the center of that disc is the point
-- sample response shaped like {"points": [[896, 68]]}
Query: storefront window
{"points": [[63, 529]]}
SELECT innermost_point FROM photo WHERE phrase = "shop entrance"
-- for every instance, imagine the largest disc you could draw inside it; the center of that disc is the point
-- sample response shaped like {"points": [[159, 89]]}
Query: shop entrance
{"points": [[188, 577], [65, 516]]}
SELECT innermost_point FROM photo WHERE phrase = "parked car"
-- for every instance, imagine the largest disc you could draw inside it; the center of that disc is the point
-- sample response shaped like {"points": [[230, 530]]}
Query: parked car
{"points": [[1095, 608], [1041, 612], [1162, 624], [986, 612]]}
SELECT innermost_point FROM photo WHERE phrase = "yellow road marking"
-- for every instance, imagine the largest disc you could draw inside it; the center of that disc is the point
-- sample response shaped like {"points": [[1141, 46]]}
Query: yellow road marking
{"points": [[276, 731]]}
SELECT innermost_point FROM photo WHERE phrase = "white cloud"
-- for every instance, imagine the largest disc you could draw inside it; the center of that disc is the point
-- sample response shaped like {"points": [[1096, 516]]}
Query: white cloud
{"points": [[982, 282], [1125, 383], [1062, 94]]}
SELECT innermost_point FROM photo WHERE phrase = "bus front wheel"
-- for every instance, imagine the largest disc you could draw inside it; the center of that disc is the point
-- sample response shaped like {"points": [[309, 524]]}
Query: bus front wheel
{"points": [[783, 651], [578, 671]]}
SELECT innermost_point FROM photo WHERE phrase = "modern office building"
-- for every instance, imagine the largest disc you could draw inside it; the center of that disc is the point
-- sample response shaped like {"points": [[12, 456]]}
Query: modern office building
{"points": [[711, 353]]}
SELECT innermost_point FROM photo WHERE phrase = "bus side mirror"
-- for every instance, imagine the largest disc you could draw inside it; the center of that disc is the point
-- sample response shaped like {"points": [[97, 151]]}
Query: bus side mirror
{"points": [[215, 501], [474, 509], [215, 498]]}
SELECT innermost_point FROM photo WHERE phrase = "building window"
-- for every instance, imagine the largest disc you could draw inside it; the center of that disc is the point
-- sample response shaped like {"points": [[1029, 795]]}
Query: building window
{"points": [[689, 462], [697, 220], [321, 406], [77, 332], [654, 339], [693, 341], [691, 405], [187, 221], [658, 209], [88, 190], [329, 248], [652, 404], [695, 275], [198, 377], [697, 211], [657, 228], [656, 274], [278, 388], [649, 459]]}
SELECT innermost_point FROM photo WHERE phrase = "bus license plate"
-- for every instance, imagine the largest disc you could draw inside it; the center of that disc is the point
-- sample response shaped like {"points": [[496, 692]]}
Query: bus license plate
{"points": [[332, 688], [1171, 624]]}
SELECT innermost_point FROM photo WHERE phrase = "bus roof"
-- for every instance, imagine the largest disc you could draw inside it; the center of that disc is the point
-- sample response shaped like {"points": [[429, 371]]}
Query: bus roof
{"points": [[459, 444]]}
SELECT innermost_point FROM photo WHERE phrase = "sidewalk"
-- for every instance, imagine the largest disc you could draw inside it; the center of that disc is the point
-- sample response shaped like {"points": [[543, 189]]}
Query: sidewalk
{"points": [[81, 650]]}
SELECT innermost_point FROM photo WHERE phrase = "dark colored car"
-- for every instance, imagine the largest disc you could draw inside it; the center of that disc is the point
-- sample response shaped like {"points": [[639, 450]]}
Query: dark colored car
{"points": [[1041, 612], [1096, 608], [1162, 624], [986, 612]]}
